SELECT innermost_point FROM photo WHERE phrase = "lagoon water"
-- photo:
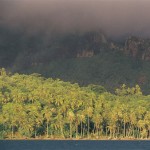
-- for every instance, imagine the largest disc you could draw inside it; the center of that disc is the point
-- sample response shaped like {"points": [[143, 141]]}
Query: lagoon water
{"points": [[73, 145]]}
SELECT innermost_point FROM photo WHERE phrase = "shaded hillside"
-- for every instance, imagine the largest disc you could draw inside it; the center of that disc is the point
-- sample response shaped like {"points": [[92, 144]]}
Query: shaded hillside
{"points": [[108, 69], [28, 49], [78, 57]]}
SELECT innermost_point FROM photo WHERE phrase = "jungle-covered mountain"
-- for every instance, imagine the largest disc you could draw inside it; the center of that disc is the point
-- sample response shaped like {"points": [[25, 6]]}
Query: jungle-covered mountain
{"points": [[85, 58]]}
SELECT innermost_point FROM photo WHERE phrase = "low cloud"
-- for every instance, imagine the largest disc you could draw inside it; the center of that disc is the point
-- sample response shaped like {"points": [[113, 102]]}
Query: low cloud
{"points": [[115, 17]]}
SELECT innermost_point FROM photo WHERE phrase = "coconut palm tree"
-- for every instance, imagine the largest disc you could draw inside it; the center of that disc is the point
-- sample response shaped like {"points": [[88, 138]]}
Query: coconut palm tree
{"points": [[71, 118]]}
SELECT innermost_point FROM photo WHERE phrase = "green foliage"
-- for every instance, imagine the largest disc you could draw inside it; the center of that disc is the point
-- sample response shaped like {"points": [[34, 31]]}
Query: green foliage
{"points": [[56, 57], [33, 106], [129, 91], [108, 68]]}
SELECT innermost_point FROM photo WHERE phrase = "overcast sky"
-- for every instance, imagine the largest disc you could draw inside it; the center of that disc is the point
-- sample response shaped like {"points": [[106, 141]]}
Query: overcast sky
{"points": [[115, 17]]}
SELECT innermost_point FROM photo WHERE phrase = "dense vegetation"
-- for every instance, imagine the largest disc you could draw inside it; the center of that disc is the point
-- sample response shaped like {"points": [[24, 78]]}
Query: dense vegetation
{"points": [[110, 69], [32, 106], [55, 56]]}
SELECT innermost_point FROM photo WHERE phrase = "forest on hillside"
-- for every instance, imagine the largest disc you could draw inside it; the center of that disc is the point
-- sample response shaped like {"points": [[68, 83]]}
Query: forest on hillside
{"points": [[32, 106], [83, 58]]}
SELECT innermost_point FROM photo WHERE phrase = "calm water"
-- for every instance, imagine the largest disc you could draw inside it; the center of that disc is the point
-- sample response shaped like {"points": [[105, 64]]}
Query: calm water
{"points": [[74, 145]]}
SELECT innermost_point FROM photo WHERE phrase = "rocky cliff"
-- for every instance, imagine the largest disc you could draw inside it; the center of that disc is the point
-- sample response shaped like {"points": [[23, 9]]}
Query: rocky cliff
{"points": [[138, 48]]}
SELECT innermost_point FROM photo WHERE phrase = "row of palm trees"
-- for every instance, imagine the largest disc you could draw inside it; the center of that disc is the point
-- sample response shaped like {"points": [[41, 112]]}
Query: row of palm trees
{"points": [[32, 106]]}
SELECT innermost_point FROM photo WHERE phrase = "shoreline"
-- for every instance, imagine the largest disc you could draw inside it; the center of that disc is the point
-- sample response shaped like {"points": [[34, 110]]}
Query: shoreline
{"points": [[73, 139]]}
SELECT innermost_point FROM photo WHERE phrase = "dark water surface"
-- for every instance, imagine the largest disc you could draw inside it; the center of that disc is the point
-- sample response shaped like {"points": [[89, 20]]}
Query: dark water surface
{"points": [[73, 145]]}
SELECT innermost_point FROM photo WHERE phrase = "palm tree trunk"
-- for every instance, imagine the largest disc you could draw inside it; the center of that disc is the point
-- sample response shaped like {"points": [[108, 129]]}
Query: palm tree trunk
{"points": [[61, 130], [97, 131], [133, 131], [76, 130], [139, 132], [12, 132], [81, 129], [3, 130], [124, 129], [47, 130], [35, 133], [117, 131], [88, 126], [114, 131], [106, 131], [70, 130]]}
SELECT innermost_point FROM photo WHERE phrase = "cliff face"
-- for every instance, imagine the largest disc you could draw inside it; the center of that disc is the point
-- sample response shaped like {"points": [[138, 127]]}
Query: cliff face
{"points": [[92, 43], [138, 48], [85, 53]]}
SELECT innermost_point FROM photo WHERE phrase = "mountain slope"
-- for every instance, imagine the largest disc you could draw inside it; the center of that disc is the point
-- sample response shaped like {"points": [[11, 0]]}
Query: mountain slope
{"points": [[86, 58], [108, 69]]}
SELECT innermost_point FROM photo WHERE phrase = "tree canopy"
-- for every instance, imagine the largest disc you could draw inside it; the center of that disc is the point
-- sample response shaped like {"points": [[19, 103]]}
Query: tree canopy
{"points": [[32, 106]]}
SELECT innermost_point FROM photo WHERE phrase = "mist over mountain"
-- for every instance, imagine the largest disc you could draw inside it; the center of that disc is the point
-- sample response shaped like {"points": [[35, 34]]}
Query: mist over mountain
{"points": [[115, 17], [89, 42]]}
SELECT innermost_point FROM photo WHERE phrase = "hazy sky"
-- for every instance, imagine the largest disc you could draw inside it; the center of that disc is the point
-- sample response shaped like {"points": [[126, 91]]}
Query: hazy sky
{"points": [[115, 17]]}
